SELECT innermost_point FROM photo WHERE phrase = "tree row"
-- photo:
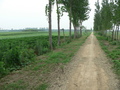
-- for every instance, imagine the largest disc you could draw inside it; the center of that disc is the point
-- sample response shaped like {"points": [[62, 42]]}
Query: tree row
{"points": [[77, 10], [107, 18]]}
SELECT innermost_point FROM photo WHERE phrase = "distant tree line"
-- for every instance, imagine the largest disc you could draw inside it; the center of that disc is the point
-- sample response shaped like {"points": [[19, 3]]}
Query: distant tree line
{"points": [[34, 29], [77, 10], [107, 18]]}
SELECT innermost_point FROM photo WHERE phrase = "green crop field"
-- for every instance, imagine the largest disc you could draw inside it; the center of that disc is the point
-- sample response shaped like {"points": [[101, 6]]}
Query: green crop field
{"points": [[6, 35], [18, 49]]}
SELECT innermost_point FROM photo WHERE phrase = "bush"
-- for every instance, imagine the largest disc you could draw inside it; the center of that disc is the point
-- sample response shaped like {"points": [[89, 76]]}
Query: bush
{"points": [[2, 69], [16, 58], [113, 43], [114, 54], [38, 48], [45, 50], [11, 59], [101, 38], [68, 41], [26, 56], [118, 47], [117, 66]]}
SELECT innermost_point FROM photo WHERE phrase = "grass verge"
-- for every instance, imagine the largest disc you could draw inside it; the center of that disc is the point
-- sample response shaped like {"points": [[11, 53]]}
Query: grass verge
{"points": [[112, 49]]}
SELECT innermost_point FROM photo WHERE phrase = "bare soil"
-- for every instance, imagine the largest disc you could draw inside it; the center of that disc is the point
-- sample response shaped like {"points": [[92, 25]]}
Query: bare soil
{"points": [[89, 69]]}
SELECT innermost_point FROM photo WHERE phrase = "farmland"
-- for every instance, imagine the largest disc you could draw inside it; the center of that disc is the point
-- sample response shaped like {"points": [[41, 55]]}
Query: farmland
{"points": [[29, 52], [8, 35], [61, 62], [18, 49], [44, 63]]}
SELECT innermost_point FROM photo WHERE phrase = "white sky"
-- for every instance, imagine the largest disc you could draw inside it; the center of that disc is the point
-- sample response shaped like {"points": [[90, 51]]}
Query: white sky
{"points": [[18, 14]]}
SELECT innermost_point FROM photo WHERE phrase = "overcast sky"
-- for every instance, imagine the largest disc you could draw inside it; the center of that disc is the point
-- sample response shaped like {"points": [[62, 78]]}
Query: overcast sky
{"points": [[18, 14]]}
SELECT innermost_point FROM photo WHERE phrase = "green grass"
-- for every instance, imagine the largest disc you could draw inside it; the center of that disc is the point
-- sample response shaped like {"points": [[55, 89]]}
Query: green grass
{"points": [[112, 49]]}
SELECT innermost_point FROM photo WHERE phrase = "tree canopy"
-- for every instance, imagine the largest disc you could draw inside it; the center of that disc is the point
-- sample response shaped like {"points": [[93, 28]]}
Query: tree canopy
{"points": [[107, 17]]}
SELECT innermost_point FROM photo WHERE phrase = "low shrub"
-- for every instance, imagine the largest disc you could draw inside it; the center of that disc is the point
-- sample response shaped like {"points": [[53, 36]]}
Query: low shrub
{"points": [[16, 58], [26, 56], [3, 71], [113, 42], [117, 66], [10, 58]]}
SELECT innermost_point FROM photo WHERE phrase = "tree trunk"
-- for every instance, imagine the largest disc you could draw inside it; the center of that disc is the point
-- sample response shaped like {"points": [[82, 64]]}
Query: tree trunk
{"points": [[63, 34], [75, 35], [113, 32], [117, 32], [58, 19], [70, 28], [80, 32], [50, 25], [109, 32], [109, 35], [80, 28], [70, 24]]}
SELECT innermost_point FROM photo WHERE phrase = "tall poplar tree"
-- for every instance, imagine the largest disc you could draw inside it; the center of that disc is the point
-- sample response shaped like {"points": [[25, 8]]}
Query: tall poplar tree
{"points": [[48, 11]]}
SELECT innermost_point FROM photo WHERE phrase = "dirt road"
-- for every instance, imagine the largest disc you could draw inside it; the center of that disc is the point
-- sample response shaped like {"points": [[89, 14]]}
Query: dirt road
{"points": [[89, 70]]}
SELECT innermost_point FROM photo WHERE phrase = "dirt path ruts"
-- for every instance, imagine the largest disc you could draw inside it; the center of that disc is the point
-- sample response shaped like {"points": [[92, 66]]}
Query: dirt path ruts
{"points": [[89, 70]]}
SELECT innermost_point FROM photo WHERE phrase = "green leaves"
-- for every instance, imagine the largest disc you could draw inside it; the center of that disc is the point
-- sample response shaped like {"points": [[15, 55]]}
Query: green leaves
{"points": [[47, 7], [107, 15], [2, 69], [77, 9], [19, 52]]}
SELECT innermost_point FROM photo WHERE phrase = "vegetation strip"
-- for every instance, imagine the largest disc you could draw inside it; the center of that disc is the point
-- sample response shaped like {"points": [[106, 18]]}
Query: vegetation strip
{"points": [[39, 70], [112, 49]]}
